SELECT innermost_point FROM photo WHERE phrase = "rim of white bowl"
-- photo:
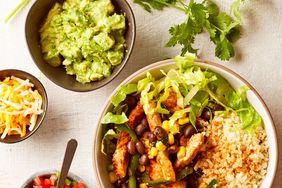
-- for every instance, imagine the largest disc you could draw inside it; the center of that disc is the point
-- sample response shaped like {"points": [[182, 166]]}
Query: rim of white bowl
{"points": [[168, 62]]}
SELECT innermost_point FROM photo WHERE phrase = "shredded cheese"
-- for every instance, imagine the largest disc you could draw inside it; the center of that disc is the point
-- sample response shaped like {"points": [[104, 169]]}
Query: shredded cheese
{"points": [[20, 106]]}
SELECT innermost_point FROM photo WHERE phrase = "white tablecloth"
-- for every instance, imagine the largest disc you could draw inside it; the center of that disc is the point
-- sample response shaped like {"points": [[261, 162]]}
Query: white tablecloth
{"points": [[74, 115]]}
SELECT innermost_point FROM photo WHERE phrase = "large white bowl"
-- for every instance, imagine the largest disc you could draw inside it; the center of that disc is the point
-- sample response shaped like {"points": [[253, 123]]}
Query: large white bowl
{"points": [[100, 161]]}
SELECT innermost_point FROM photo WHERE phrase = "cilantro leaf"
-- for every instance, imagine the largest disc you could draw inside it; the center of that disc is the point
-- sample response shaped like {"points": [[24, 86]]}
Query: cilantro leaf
{"points": [[212, 8], [198, 15], [223, 30], [224, 50], [143, 4], [148, 5], [222, 21], [235, 9], [184, 34]]}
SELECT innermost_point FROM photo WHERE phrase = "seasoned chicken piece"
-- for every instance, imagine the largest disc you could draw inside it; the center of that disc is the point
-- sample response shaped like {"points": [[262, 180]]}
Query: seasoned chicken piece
{"points": [[192, 148], [153, 119], [171, 102], [155, 170], [121, 157], [166, 165], [136, 115], [163, 171], [178, 184], [162, 168]]}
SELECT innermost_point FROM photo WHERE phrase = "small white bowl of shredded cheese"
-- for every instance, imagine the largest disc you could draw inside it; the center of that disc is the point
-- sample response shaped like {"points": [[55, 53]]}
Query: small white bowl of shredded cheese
{"points": [[23, 104]]}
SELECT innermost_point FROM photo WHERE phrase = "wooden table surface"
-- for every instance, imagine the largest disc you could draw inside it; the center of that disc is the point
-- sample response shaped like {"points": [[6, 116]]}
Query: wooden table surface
{"points": [[74, 115]]}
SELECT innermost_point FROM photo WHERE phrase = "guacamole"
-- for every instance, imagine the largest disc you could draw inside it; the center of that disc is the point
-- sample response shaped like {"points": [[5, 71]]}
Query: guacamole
{"points": [[85, 36]]}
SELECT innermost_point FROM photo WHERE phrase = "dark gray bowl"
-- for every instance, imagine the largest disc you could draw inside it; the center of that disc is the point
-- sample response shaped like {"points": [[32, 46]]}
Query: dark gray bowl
{"points": [[46, 174], [35, 18], [42, 92]]}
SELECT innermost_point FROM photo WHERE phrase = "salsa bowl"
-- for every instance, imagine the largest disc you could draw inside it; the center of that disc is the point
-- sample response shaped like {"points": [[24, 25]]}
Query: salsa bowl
{"points": [[46, 174]]}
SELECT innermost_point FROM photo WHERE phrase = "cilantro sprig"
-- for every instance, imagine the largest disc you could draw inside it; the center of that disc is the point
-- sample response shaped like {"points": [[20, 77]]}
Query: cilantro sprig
{"points": [[204, 16]]}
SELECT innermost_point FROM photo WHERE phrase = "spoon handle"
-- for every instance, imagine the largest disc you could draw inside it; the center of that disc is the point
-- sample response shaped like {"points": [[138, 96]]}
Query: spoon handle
{"points": [[70, 150]]}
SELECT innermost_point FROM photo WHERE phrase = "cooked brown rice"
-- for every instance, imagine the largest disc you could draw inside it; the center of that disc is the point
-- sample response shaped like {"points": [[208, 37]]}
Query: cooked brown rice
{"points": [[233, 156]]}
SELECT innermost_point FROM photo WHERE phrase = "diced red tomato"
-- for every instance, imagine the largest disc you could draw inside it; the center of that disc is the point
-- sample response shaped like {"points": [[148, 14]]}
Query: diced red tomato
{"points": [[38, 181], [47, 182], [53, 179], [79, 185]]}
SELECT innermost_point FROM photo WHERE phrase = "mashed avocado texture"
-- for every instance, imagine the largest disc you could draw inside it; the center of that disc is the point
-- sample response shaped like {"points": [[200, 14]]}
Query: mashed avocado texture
{"points": [[85, 36]]}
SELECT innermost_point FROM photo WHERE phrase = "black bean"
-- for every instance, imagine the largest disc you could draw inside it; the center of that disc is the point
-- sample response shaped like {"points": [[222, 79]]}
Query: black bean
{"points": [[172, 149], [119, 182], [218, 107], [140, 129], [176, 139], [131, 148], [138, 178], [140, 147], [165, 117], [144, 160], [145, 122], [206, 115], [189, 131], [200, 123], [130, 101], [152, 137], [124, 185], [160, 132], [146, 134]]}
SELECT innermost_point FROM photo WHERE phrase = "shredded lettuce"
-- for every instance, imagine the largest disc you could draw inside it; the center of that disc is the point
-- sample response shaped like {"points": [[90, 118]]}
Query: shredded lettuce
{"points": [[195, 89], [107, 146], [184, 62], [146, 97], [197, 104], [234, 100], [163, 97], [206, 86], [114, 118], [142, 84], [247, 114], [122, 92]]}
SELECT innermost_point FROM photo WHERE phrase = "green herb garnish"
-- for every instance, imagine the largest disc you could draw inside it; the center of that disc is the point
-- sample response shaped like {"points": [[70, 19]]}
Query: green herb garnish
{"points": [[222, 28], [212, 183]]}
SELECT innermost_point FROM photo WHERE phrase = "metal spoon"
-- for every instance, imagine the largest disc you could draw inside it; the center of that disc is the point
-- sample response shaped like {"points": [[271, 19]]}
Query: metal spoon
{"points": [[70, 150]]}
